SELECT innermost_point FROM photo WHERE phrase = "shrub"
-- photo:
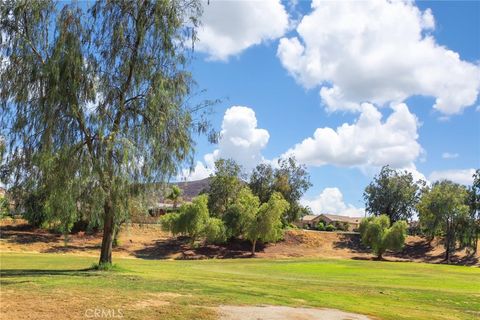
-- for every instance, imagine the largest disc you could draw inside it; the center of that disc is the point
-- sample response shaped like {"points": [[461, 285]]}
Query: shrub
{"points": [[341, 226], [215, 231], [193, 220], [321, 226], [330, 227]]}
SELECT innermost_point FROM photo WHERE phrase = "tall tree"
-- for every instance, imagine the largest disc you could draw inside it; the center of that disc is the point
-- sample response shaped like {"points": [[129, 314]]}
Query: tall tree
{"points": [[394, 193], [262, 181], [224, 186], [290, 179], [443, 211], [95, 100], [473, 227]]}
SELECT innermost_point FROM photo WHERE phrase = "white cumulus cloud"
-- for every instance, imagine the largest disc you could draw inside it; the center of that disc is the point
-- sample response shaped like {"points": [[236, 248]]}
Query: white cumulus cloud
{"points": [[240, 140], [376, 51], [229, 27], [366, 143], [462, 176], [330, 200]]}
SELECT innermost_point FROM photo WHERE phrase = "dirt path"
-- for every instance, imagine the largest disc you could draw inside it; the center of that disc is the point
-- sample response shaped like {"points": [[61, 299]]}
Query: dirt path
{"points": [[284, 313]]}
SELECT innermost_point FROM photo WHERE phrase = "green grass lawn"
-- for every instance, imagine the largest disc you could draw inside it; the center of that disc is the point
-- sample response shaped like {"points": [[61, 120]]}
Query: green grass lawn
{"points": [[385, 290]]}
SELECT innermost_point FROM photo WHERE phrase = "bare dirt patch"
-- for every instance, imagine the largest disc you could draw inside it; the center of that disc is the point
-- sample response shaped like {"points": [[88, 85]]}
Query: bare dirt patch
{"points": [[148, 241], [284, 313]]}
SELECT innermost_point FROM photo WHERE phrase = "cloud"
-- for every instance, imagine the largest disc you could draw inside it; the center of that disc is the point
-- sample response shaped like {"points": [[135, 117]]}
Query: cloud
{"points": [[330, 200], [462, 176], [448, 155], [240, 140], [368, 142], [378, 52], [199, 172], [229, 27]]}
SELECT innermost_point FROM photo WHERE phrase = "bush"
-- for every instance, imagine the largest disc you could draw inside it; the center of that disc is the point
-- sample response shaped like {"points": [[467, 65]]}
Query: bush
{"points": [[215, 231], [193, 220], [321, 226], [330, 227], [35, 212], [378, 235], [341, 226], [4, 208]]}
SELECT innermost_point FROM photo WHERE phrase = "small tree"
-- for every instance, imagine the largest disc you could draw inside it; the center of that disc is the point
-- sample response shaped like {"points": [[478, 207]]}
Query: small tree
{"points": [[378, 235], [193, 220], [266, 223], [175, 195]]}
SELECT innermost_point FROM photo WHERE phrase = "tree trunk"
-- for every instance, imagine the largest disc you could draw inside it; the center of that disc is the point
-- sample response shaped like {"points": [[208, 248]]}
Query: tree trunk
{"points": [[108, 230], [253, 246]]}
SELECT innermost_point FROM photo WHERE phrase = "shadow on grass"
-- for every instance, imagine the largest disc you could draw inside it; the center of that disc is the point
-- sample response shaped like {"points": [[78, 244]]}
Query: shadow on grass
{"points": [[7, 273]]}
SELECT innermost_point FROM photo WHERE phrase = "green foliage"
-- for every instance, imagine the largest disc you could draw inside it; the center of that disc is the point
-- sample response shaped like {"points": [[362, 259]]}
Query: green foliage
{"points": [[241, 212], [175, 195], [34, 208], [330, 227], [262, 181], [215, 231], [193, 220], [443, 211], [321, 226], [471, 230], [393, 193], [264, 223], [290, 179], [95, 99], [378, 235], [224, 186], [4, 207], [341, 226]]}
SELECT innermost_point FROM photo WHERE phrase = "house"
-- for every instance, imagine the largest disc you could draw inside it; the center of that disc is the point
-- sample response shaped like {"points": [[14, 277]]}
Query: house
{"points": [[161, 208], [350, 223], [340, 222], [308, 222]]}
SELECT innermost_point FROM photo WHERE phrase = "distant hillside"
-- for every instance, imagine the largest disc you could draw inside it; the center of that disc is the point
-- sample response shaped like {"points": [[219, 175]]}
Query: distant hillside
{"points": [[191, 189]]}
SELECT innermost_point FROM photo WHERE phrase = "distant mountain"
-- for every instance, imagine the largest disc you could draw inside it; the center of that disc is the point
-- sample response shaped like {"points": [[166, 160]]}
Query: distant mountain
{"points": [[191, 189]]}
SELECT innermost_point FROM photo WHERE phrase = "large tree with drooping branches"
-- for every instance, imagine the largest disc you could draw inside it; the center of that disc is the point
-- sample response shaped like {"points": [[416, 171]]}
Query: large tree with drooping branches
{"points": [[95, 101]]}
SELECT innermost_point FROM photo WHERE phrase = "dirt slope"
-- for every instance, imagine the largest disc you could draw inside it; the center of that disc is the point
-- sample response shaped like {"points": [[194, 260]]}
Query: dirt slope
{"points": [[149, 242]]}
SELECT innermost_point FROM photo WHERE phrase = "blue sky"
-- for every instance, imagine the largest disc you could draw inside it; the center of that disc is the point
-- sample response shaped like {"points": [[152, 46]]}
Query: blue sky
{"points": [[401, 79]]}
